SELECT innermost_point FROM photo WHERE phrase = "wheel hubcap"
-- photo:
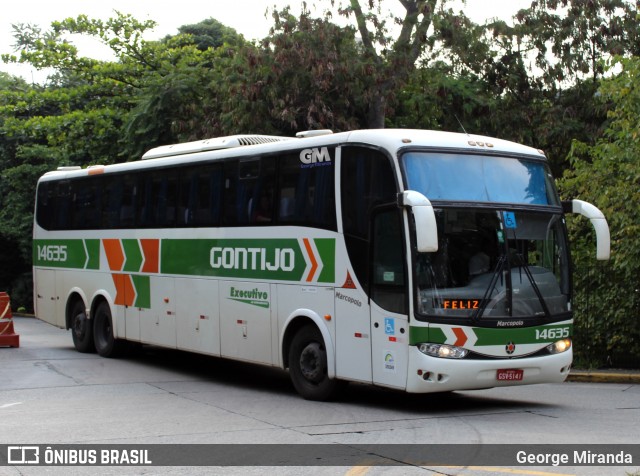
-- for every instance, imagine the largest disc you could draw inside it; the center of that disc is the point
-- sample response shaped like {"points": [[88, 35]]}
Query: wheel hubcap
{"points": [[79, 325], [311, 362]]}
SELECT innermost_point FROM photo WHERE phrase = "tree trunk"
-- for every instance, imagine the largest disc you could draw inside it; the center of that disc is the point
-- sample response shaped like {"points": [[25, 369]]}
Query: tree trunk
{"points": [[377, 111]]}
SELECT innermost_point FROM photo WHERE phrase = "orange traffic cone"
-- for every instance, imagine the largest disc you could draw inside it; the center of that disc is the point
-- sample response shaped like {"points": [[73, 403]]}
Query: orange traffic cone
{"points": [[8, 336]]}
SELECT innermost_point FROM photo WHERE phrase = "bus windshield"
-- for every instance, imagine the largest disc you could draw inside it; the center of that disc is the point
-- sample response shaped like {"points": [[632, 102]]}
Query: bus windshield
{"points": [[479, 178], [495, 264]]}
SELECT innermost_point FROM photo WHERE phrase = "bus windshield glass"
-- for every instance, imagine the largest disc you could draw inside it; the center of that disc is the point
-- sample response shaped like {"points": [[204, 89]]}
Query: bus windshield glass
{"points": [[479, 178], [495, 264]]}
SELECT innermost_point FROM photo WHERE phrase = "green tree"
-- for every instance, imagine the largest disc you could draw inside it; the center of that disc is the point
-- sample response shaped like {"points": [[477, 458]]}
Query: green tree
{"points": [[392, 44], [436, 97], [545, 68], [304, 75], [608, 174], [182, 95], [209, 33], [569, 38]]}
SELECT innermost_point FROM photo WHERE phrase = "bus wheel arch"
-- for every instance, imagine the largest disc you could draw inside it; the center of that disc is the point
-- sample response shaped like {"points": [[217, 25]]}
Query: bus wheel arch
{"points": [[309, 356], [78, 321]]}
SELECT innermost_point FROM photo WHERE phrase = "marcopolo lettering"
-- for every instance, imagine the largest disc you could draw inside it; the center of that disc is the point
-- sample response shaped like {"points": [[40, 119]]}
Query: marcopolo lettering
{"points": [[256, 259], [348, 299], [315, 156]]}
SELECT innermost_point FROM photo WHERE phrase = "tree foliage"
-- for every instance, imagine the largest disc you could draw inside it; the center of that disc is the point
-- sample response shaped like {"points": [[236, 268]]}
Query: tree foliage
{"points": [[392, 43], [305, 75], [569, 38], [608, 174]]}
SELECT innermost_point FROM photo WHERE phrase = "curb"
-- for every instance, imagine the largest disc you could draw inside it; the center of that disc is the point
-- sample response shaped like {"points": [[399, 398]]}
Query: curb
{"points": [[604, 377]]}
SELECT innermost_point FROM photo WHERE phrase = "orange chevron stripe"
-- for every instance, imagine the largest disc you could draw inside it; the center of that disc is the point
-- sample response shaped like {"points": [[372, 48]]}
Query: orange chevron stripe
{"points": [[125, 292], [314, 263], [115, 255], [151, 251], [461, 336]]}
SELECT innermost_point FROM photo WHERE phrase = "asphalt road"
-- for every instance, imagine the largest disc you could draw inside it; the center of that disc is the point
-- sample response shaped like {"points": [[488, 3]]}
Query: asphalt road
{"points": [[52, 395]]}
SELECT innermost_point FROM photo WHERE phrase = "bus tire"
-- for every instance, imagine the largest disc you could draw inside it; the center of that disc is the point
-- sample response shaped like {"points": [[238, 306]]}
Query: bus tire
{"points": [[106, 344], [81, 329], [308, 366]]}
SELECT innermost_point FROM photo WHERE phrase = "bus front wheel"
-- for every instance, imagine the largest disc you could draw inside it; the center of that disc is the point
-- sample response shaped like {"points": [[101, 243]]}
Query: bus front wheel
{"points": [[106, 344], [308, 366], [81, 330]]}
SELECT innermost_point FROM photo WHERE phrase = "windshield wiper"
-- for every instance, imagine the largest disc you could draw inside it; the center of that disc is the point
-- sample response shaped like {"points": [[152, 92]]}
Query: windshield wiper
{"points": [[536, 289], [492, 284]]}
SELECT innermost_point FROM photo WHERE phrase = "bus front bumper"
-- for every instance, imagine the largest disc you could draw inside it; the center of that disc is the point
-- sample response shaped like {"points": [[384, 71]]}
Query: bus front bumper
{"points": [[431, 374]]}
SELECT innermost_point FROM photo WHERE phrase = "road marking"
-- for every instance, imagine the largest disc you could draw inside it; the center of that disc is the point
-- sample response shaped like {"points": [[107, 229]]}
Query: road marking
{"points": [[358, 471], [362, 470], [508, 470], [7, 405]]}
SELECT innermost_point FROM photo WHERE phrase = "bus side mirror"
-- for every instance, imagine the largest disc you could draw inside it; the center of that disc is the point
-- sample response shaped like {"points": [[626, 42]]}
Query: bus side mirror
{"points": [[599, 222], [425, 219]]}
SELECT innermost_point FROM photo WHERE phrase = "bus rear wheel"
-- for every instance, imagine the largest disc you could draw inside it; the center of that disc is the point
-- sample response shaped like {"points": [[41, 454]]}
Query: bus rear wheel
{"points": [[106, 344], [81, 330], [308, 366]]}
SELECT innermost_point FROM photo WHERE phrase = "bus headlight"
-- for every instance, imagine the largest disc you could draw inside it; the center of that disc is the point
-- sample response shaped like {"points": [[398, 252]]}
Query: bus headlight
{"points": [[559, 346], [443, 351]]}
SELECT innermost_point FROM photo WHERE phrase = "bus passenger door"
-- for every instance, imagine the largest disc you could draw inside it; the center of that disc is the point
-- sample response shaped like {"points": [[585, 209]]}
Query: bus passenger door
{"points": [[389, 302]]}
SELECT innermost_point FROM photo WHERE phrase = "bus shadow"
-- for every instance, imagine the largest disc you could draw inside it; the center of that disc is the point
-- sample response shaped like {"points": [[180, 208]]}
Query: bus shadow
{"points": [[436, 403], [259, 378], [213, 369]]}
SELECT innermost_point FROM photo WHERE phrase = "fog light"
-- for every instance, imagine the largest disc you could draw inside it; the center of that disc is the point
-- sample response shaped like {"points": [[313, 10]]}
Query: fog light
{"points": [[559, 346], [443, 351]]}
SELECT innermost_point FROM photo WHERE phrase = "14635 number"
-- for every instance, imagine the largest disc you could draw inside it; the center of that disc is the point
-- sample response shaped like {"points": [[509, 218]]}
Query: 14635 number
{"points": [[52, 252], [552, 333]]}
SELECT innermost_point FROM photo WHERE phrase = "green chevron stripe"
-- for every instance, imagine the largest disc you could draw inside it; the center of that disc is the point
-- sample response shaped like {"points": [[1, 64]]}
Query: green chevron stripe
{"points": [[327, 249], [133, 255], [93, 250], [142, 285]]}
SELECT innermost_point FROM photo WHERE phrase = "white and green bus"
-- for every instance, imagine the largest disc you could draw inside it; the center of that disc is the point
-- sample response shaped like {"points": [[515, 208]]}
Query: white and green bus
{"points": [[417, 260]]}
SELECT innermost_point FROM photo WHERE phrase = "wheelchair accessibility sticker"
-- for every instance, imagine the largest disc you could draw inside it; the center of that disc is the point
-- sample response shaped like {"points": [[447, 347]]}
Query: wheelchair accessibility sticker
{"points": [[389, 326]]}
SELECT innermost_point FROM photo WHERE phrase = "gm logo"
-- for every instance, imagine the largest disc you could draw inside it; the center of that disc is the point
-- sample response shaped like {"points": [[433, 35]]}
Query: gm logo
{"points": [[315, 157]]}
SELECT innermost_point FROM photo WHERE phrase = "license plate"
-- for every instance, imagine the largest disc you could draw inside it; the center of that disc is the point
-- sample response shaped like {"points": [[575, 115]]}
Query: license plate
{"points": [[510, 374]]}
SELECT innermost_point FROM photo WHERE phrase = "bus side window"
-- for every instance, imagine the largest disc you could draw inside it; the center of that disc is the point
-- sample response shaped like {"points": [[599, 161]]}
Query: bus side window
{"points": [[261, 193], [230, 212], [249, 186], [200, 199], [86, 196], [112, 195], [159, 199], [368, 180], [46, 205], [62, 208], [128, 201], [307, 194], [167, 199]]}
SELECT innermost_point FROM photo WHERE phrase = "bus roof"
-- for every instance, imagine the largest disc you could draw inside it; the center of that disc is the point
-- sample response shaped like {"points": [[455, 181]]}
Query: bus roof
{"points": [[246, 145]]}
